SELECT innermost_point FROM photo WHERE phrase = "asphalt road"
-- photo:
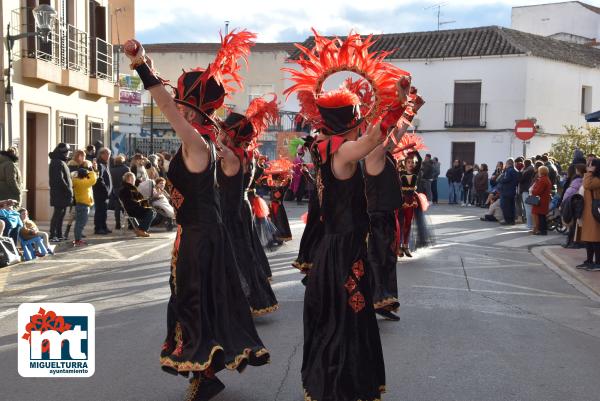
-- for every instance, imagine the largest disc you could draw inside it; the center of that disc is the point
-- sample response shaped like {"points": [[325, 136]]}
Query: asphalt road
{"points": [[482, 319]]}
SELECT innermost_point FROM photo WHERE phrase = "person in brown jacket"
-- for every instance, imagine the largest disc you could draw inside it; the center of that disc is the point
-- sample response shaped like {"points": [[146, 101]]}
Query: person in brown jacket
{"points": [[542, 188], [590, 228]]}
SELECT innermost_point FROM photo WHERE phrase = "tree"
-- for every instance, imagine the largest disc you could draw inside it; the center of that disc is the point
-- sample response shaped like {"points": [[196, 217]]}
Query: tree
{"points": [[587, 139]]}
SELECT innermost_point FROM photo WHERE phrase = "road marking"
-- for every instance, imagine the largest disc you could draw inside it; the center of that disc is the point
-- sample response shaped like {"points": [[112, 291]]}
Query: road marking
{"points": [[529, 294], [7, 312], [146, 252], [521, 287], [523, 242], [286, 284], [286, 272]]}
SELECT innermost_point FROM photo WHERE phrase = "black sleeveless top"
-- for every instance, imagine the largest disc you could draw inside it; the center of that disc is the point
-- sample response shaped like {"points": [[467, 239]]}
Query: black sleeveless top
{"points": [[383, 190], [230, 190], [343, 202], [193, 195]]}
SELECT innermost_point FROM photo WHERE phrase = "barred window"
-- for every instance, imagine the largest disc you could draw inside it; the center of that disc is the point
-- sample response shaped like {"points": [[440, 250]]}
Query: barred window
{"points": [[68, 131], [95, 132]]}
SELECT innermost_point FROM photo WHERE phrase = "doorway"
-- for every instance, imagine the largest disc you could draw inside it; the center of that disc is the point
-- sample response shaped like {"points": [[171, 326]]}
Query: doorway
{"points": [[31, 162], [463, 151]]}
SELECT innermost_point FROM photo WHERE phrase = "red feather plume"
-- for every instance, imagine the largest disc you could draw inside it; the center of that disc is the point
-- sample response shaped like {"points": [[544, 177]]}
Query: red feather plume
{"points": [[329, 56], [234, 46], [364, 92], [408, 143], [262, 113]]}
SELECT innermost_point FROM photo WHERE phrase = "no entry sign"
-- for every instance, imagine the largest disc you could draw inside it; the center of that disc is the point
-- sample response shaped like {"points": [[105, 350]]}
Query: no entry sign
{"points": [[525, 130]]}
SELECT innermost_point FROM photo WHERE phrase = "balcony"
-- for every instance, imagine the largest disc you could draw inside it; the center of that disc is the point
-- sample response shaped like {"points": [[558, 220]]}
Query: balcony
{"points": [[465, 115], [70, 58]]}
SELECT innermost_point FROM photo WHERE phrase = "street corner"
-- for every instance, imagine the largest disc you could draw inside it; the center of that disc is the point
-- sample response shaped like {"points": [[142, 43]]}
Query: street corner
{"points": [[563, 262]]}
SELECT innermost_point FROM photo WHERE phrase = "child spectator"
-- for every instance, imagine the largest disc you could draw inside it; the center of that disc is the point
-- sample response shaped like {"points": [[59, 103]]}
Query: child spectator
{"points": [[83, 182], [12, 220], [467, 185], [30, 231]]}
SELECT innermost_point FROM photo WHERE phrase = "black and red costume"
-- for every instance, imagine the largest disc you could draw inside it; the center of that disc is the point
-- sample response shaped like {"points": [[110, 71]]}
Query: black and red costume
{"points": [[209, 324], [409, 182], [278, 186], [384, 198]]}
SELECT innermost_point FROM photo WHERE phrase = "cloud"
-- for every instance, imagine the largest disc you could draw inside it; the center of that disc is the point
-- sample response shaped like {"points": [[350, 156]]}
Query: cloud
{"points": [[275, 21]]}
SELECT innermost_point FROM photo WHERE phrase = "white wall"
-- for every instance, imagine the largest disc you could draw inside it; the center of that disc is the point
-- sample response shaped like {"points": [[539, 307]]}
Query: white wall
{"points": [[548, 19], [553, 93]]}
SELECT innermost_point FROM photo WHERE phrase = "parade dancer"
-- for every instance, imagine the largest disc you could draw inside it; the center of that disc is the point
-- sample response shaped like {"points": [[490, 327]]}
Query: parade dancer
{"points": [[384, 198], [240, 131], [266, 232], [409, 181], [209, 324], [278, 177], [313, 231], [342, 358]]}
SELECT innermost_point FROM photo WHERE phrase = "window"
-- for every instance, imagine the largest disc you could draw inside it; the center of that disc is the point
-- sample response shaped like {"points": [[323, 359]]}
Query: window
{"points": [[463, 151], [68, 131], [467, 104], [95, 132], [586, 99]]}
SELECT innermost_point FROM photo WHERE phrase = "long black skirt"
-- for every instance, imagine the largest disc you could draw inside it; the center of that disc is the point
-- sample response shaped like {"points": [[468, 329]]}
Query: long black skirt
{"points": [[280, 220], [257, 247], [209, 325], [343, 359], [313, 232], [382, 254], [261, 297]]}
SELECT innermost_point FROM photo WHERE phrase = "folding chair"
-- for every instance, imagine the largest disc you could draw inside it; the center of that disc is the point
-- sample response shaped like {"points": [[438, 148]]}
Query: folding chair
{"points": [[131, 220]]}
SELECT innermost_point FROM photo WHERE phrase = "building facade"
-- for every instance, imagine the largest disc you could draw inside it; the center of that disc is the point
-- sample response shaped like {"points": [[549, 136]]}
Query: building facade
{"points": [[60, 86], [478, 82]]}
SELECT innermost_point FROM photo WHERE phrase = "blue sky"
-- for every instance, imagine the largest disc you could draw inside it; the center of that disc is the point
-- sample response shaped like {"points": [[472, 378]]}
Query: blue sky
{"points": [[288, 21]]}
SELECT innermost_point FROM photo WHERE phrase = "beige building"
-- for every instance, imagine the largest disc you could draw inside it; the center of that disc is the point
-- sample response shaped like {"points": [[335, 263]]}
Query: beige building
{"points": [[61, 87]]}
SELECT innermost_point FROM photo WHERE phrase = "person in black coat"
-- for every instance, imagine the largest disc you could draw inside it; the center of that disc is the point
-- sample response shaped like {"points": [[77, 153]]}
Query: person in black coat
{"points": [[102, 190], [509, 181], [117, 172], [61, 189], [135, 205]]}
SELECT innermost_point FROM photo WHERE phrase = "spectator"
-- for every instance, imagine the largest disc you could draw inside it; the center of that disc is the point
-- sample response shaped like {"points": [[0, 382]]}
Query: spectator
{"points": [[83, 184], [497, 173], [590, 227], [434, 182], [90, 153], [10, 176], [117, 172], [509, 180], [30, 230], [467, 185], [494, 212], [102, 189], [552, 171], [542, 188], [575, 181], [427, 172], [480, 185], [61, 189], [77, 161], [590, 157], [11, 218], [578, 157], [526, 179], [138, 168], [136, 206], [454, 175]]}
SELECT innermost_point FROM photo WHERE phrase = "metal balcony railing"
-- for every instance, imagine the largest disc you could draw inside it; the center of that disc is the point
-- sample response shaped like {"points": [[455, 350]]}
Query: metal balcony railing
{"points": [[77, 49], [68, 47], [465, 115]]}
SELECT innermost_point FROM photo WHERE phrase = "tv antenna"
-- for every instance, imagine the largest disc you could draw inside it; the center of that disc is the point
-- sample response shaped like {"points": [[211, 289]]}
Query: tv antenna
{"points": [[439, 14]]}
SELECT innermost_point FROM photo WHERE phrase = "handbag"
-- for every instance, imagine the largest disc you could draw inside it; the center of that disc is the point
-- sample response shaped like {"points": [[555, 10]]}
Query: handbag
{"points": [[596, 208], [533, 200]]}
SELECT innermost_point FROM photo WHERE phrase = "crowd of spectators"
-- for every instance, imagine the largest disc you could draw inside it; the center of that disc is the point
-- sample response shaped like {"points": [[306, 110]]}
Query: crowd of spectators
{"points": [[82, 180]]}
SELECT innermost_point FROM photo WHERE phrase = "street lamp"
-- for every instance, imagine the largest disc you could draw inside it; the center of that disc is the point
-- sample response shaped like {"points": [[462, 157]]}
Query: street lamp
{"points": [[44, 16]]}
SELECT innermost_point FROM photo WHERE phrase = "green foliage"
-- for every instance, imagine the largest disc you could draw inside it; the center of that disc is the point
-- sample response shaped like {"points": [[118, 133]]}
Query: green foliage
{"points": [[587, 139]]}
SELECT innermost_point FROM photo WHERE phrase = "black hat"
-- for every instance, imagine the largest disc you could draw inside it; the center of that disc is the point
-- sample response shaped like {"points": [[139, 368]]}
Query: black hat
{"points": [[239, 126], [200, 91]]}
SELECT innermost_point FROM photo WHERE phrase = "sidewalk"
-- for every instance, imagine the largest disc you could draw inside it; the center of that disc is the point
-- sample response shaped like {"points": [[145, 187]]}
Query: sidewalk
{"points": [[563, 262]]}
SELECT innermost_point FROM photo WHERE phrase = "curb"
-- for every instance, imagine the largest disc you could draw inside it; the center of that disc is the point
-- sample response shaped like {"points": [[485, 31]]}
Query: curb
{"points": [[565, 272]]}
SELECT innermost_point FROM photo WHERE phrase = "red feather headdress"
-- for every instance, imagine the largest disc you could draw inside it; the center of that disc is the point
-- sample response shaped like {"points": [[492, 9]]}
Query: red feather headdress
{"points": [[262, 113], [409, 143], [329, 56], [234, 46]]}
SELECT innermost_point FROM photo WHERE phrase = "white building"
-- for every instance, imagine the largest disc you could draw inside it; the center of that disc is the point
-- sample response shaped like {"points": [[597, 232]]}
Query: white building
{"points": [[477, 82], [61, 87], [571, 21]]}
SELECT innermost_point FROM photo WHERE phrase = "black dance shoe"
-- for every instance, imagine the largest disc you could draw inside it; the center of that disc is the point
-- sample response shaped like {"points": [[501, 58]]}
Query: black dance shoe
{"points": [[407, 253], [203, 389], [388, 315]]}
